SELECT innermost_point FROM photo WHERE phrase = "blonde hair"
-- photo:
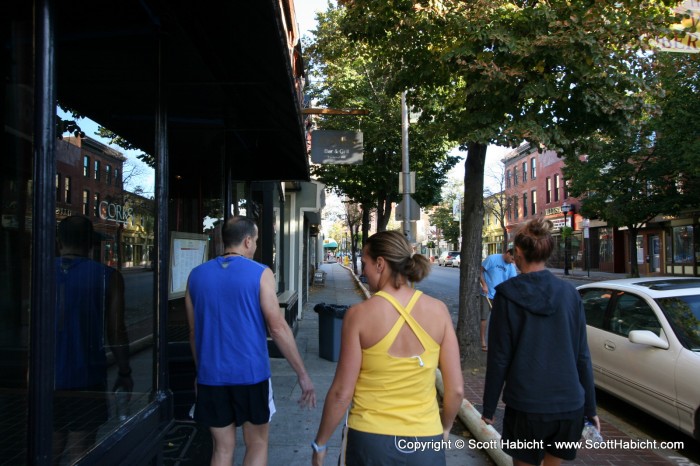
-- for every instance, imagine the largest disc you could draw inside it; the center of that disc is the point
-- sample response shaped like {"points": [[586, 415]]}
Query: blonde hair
{"points": [[398, 254]]}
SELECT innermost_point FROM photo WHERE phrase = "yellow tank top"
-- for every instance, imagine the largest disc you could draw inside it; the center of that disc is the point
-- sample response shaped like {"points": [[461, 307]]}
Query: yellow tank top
{"points": [[397, 395]]}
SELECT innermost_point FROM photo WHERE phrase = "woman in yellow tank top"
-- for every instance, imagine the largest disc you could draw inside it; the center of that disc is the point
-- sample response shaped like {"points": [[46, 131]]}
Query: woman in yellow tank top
{"points": [[391, 346]]}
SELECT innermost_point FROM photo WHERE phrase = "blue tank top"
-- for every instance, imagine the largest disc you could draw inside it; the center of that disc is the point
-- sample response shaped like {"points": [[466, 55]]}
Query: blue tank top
{"points": [[230, 330], [81, 297]]}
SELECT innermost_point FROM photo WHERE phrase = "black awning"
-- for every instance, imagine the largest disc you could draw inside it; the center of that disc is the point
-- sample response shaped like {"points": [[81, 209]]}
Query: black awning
{"points": [[229, 89]]}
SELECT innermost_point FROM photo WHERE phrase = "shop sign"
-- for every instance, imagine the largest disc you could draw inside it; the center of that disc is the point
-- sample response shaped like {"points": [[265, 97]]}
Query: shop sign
{"points": [[115, 212], [336, 147]]}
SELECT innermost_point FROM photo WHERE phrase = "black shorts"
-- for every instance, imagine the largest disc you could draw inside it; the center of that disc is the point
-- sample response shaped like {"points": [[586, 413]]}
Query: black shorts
{"points": [[365, 449], [220, 406], [540, 430]]}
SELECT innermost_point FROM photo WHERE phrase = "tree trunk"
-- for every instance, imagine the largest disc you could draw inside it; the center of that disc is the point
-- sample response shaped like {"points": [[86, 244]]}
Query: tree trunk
{"points": [[470, 267], [383, 214], [365, 224]]}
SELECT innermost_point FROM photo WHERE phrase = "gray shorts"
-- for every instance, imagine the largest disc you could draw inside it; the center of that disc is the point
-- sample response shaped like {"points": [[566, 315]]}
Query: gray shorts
{"points": [[365, 449], [485, 307]]}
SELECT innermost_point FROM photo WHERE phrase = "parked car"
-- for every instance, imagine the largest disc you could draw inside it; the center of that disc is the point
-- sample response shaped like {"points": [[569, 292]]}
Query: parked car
{"points": [[447, 257], [456, 261], [644, 338]]}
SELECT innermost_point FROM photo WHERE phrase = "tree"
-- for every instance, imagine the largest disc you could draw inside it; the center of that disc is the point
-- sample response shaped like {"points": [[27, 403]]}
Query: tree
{"points": [[628, 180], [350, 77], [443, 218], [353, 215], [499, 72]]}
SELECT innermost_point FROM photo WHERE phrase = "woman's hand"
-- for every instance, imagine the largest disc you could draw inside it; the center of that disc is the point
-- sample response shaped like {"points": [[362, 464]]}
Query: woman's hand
{"points": [[318, 457]]}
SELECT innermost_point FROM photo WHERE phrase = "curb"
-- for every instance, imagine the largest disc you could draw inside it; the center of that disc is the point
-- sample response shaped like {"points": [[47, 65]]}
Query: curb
{"points": [[483, 432], [468, 414]]}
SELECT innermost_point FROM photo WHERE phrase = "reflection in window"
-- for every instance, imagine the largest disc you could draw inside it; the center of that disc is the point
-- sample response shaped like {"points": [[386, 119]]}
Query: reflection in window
{"points": [[67, 188], [683, 313], [595, 302], [633, 313], [606, 245], [683, 245]]}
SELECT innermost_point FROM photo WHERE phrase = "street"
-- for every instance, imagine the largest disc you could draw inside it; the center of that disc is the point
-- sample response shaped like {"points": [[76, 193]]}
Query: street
{"points": [[443, 283]]}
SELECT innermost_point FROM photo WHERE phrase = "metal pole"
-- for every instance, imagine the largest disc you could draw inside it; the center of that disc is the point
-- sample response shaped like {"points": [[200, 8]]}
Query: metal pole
{"points": [[405, 170], [566, 247]]}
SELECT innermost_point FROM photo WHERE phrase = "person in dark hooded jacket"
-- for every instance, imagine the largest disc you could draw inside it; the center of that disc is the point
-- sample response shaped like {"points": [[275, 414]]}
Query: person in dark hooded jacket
{"points": [[538, 355]]}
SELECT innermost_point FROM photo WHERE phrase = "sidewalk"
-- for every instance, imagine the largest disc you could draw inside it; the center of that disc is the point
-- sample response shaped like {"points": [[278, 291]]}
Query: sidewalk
{"points": [[292, 429]]}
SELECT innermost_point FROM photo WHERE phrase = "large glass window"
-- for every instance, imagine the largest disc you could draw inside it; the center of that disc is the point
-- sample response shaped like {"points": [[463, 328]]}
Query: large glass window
{"points": [[548, 193], [16, 195], [524, 172], [683, 245], [533, 168], [533, 199], [103, 315], [556, 187], [104, 303], [606, 245]]}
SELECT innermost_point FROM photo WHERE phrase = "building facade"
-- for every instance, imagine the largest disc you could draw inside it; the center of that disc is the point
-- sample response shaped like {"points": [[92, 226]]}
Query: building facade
{"points": [[211, 97], [534, 182]]}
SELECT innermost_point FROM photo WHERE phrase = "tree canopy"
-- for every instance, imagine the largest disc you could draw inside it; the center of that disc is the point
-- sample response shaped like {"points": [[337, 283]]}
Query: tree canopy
{"points": [[347, 75], [500, 72], [628, 180]]}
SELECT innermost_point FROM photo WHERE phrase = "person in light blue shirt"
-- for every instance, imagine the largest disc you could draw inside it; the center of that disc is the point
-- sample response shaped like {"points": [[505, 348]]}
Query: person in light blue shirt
{"points": [[495, 269]]}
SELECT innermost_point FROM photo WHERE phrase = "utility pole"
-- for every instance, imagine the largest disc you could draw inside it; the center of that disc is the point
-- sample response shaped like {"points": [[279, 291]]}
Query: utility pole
{"points": [[405, 170]]}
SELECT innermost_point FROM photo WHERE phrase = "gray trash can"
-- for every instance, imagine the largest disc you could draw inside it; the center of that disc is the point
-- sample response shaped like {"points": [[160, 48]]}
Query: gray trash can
{"points": [[330, 323]]}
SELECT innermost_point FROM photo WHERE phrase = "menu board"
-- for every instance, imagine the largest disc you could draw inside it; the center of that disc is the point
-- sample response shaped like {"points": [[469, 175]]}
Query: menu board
{"points": [[187, 251]]}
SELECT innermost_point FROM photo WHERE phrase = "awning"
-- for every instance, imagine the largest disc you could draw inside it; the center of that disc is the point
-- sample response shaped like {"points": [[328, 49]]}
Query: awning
{"points": [[229, 89], [330, 243]]}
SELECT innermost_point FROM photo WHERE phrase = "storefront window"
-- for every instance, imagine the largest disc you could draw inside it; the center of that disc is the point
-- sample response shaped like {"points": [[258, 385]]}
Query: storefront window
{"points": [[16, 194], [105, 309], [606, 245], [683, 245]]}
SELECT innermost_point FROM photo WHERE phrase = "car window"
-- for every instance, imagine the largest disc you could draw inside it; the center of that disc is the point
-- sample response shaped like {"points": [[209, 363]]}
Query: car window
{"points": [[683, 314], [595, 302], [632, 312]]}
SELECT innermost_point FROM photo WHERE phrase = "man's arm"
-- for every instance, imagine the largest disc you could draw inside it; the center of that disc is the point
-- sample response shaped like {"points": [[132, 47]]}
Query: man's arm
{"points": [[283, 337], [116, 331], [482, 281]]}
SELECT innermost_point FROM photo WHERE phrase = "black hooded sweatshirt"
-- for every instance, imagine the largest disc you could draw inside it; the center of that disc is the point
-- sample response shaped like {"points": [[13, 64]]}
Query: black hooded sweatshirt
{"points": [[538, 348]]}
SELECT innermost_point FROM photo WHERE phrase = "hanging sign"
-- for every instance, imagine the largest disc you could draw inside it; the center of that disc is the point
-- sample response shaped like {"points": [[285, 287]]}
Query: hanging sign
{"points": [[336, 147]]}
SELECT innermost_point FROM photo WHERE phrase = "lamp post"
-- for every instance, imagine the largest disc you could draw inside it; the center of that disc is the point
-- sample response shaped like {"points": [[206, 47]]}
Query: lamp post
{"points": [[566, 208]]}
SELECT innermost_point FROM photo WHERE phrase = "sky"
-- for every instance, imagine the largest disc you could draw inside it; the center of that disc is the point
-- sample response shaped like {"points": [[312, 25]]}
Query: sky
{"points": [[305, 11]]}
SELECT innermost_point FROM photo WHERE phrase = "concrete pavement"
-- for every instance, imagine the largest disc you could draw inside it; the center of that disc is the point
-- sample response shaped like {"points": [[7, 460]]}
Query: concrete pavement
{"points": [[292, 429]]}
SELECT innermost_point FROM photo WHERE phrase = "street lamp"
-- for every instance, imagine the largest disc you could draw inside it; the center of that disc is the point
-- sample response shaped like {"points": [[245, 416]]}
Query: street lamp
{"points": [[566, 208]]}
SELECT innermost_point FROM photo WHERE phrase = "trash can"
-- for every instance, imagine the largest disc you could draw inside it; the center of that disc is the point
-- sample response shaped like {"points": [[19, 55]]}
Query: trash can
{"points": [[330, 323]]}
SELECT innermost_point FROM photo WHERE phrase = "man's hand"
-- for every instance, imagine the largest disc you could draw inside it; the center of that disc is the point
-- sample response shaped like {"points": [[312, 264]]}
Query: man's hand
{"points": [[308, 392], [488, 421]]}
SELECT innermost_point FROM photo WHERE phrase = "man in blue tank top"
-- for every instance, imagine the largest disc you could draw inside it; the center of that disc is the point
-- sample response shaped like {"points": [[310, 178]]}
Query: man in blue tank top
{"points": [[89, 321], [495, 269], [230, 302]]}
